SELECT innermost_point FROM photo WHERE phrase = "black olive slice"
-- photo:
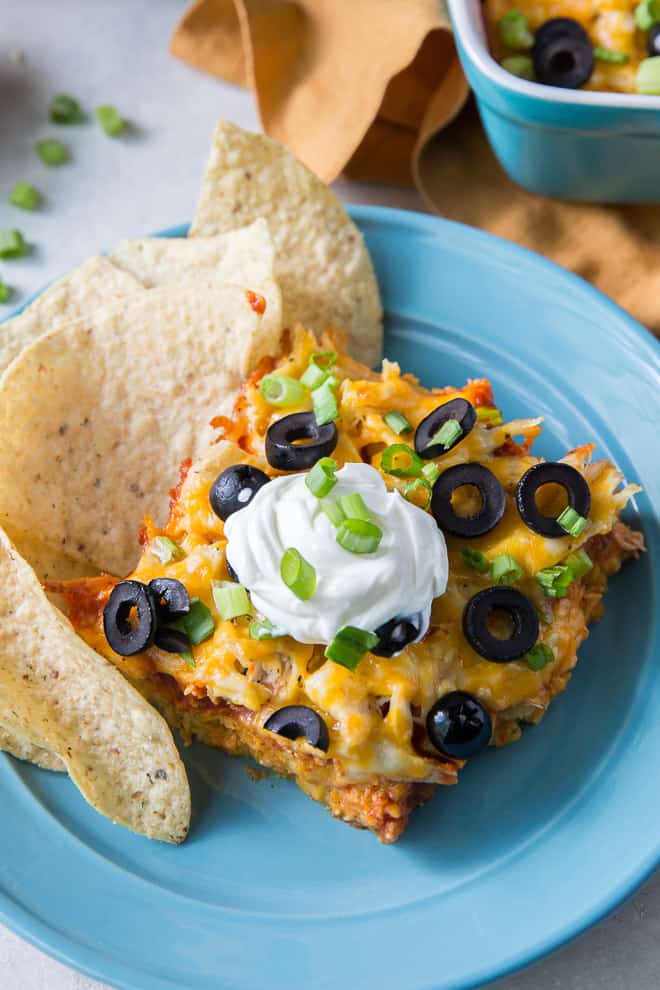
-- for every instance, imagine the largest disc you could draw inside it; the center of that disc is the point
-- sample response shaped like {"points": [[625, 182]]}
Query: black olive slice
{"points": [[493, 500], [171, 598], [171, 640], [285, 454], [551, 472], [523, 617], [127, 638], [235, 488], [563, 54], [395, 635], [653, 41], [295, 721], [459, 410], [458, 725], [558, 27]]}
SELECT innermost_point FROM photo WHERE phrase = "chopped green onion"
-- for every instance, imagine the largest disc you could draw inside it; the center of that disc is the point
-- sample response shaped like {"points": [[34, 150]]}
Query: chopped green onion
{"points": [[189, 658], [52, 152], [354, 507], [313, 377], [556, 580], [281, 390], [166, 549], [447, 435], [505, 569], [349, 646], [539, 656], [324, 359], [197, 623], [397, 422], [230, 599], [431, 472], [647, 13], [318, 369], [411, 488], [5, 292], [519, 65], [359, 536], [65, 109], [475, 559], [25, 196], [110, 120], [333, 511], [401, 461], [648, 76], [514, 31], [602, 54], [325, 401], [321, 479], [12, 244], [489, 415], [571, 521], [580, 563], [298, 574], [262, 630]]}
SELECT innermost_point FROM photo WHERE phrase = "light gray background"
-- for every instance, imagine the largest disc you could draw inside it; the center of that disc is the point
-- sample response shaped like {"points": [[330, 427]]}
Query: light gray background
{"points": [[115, 51]]}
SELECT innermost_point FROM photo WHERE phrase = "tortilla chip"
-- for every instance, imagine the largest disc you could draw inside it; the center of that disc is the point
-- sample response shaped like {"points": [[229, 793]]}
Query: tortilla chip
{"points": [[116, 748], [79, 294], [50, 563], [242, 257], [96, 416], [14, 741], [322, 264]]}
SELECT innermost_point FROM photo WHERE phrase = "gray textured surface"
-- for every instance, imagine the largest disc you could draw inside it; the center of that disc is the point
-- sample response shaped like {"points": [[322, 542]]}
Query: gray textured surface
{"points": [[116, 51]]}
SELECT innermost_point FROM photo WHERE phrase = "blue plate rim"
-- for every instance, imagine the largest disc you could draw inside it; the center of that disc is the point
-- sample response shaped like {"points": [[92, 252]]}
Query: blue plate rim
{"points": [[67, 950]]}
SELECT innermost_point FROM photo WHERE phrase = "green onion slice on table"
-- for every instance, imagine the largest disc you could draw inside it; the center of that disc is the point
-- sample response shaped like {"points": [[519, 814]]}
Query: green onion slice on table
{"points": [[25, 196], [65, 109], [111, 121], [52, 152], [12, 243]]}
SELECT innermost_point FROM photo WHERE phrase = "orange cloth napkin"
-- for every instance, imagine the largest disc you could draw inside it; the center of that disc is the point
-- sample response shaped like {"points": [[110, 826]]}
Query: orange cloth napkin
{"points": [[371, 88]]}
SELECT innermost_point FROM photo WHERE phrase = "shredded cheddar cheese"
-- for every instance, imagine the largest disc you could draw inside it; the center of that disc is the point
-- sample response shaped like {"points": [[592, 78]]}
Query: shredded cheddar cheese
{"points": [[375, 715]]}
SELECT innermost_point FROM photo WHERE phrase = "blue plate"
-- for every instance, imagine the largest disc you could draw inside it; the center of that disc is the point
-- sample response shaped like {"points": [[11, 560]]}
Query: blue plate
{"points": [[537, 842]]}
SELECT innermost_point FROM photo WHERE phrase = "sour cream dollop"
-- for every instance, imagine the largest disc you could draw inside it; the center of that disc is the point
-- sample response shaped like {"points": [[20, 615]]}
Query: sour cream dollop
{"points": [[403, 576]]}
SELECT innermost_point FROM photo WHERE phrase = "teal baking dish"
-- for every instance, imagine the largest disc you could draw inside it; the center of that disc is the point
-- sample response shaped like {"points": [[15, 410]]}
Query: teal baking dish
{"points": [[570, 144]]}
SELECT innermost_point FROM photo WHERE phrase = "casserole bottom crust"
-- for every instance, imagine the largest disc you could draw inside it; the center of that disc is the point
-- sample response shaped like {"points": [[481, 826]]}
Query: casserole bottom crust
{"points": [[383, 806], [380, 805]]}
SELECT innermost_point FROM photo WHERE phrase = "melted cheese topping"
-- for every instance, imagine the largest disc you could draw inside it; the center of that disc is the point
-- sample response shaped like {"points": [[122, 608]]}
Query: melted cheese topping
{"points": [[610, 23], [375, 715]]}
